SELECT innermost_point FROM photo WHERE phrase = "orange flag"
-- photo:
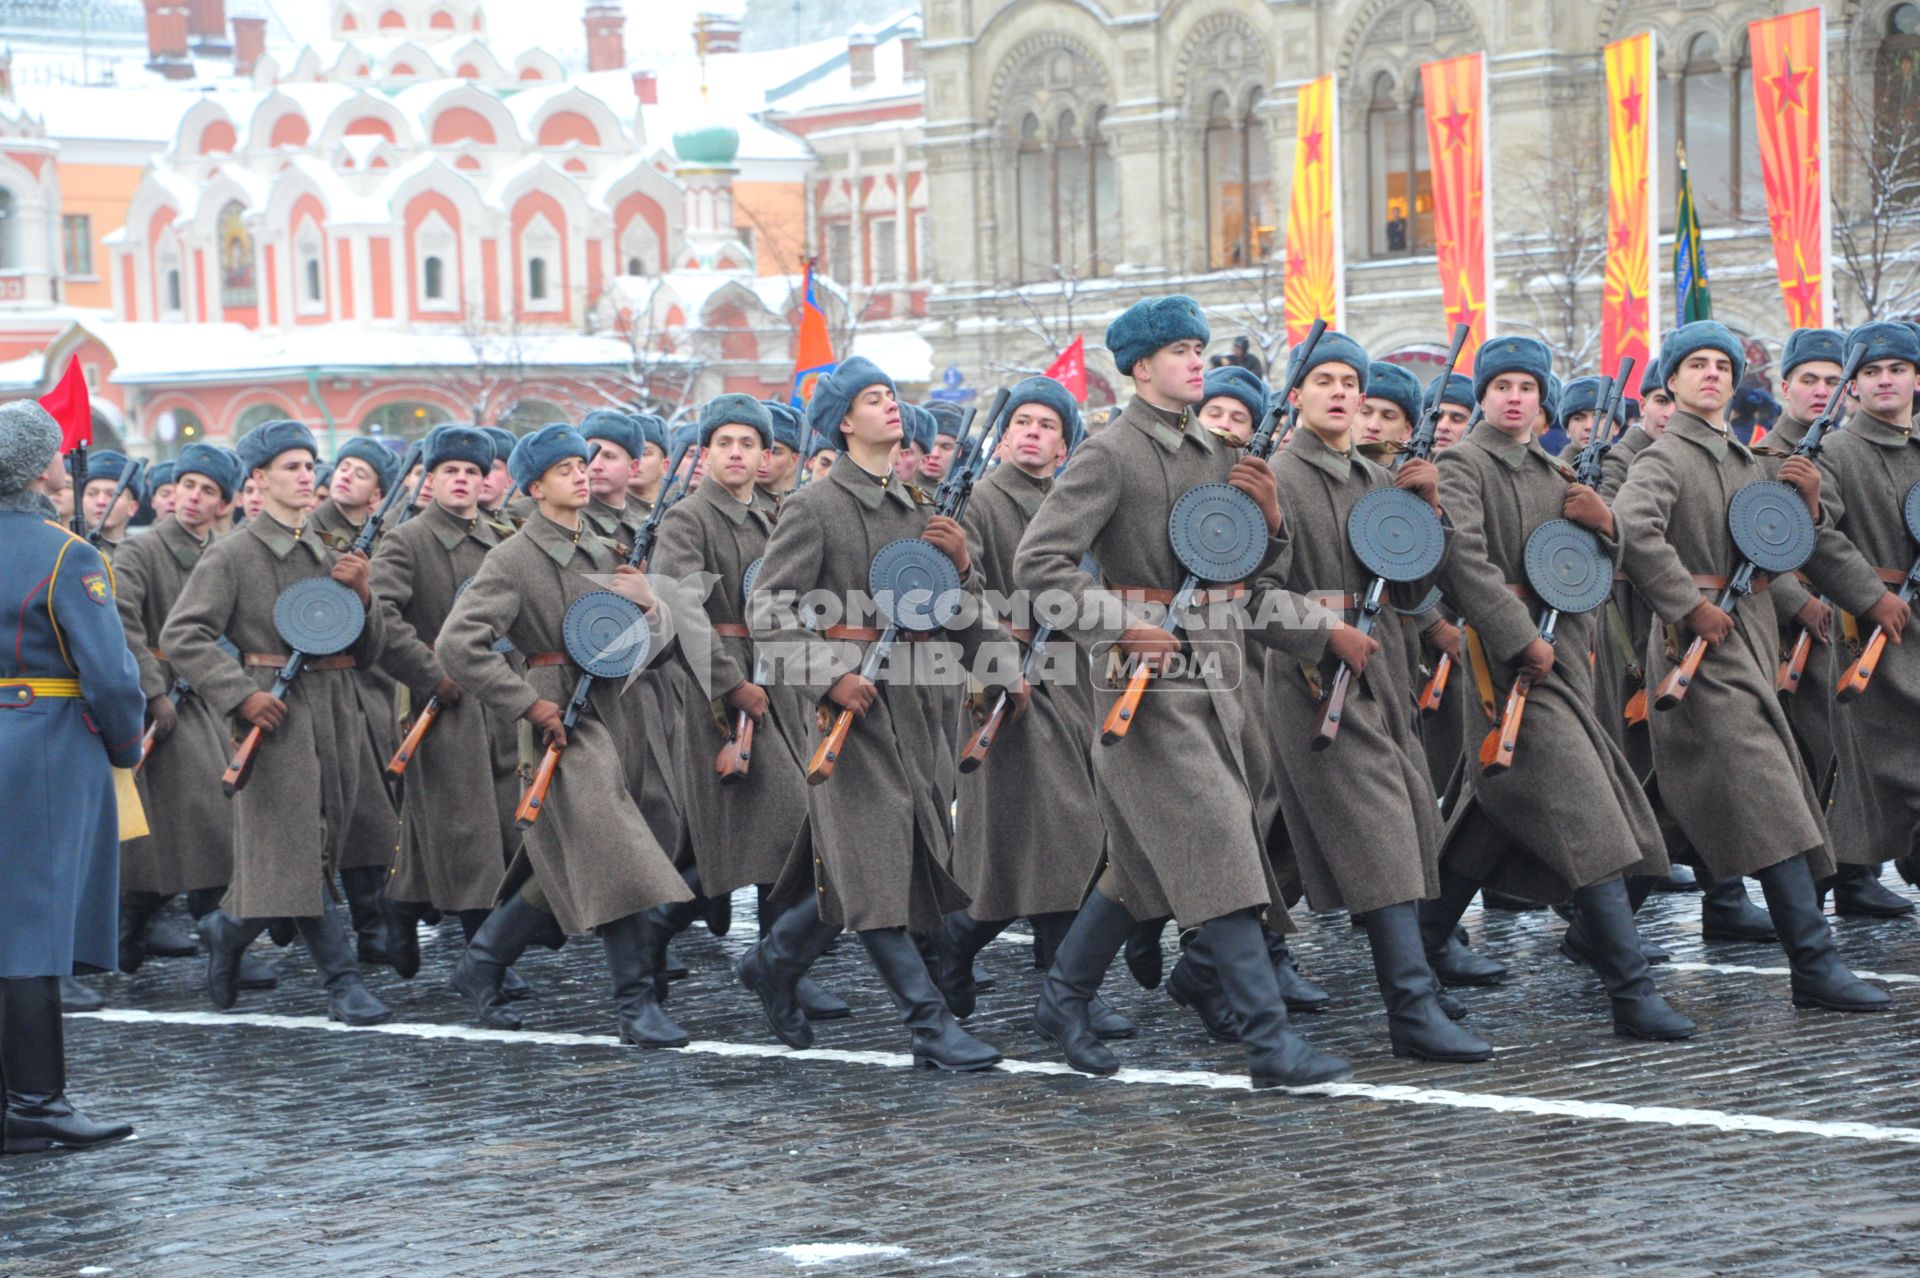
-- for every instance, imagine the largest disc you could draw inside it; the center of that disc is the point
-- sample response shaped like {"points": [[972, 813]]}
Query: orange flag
{"points": [[1070, 370], [1456, 105], [72, 407], [1627, 300], [813, 350], [1316, 266], [1789, 98]]}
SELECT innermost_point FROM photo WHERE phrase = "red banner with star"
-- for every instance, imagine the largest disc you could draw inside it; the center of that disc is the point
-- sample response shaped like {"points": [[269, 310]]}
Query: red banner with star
{"points": [[1316, 266], [1789, 97], [1456, 101], [1627, 303]]}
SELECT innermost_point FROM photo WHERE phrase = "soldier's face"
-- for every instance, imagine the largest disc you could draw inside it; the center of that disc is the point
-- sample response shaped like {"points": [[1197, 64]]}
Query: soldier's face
{"points": [[734, 456], [564, 485], [93, 504], [498, 483], [1228, 417], [1512, 403], [287, 480], [1809, 388], [197, 502], [1655, 411], [1885, 388], [1329, 399], [1381, 421], [934, 465], [609, 471], [1703, 383], [1035, 441], [1580, 428], [873, 419], [906, 462], [650, 467], [820, 463], [1451, 425], [163, 500], [776, 471], [457, 486], [354, 484], [1175, 375]]}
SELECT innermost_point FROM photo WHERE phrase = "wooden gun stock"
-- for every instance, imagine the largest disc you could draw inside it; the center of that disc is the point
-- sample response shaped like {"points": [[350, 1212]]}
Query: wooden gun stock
{"points": [[529, 810], [974, 753], [1637, 708], [735, 756], [827, 753], [1496, 752], [146, 748], [397, 765], [234, 779], [1120, 717], [1436, 689], [1336, 709], [1860, 673], [1674, 689], [1795, 664]]}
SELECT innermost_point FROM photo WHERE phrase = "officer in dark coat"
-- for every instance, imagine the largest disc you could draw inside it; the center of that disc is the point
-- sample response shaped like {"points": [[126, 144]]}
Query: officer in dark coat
{"points": [[71, 710]]}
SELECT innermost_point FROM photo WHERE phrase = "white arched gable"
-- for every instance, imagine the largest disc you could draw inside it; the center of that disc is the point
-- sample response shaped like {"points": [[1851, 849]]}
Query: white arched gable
{"points": [[546, 66], [186, 135], [361, 105]]}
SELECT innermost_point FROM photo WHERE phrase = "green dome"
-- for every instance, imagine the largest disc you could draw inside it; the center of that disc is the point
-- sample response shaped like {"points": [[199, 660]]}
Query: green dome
{"points": [[715, 145]]}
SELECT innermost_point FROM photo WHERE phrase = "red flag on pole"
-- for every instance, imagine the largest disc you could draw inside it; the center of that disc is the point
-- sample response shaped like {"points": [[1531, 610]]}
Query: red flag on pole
{"points": [[1070, 370], [72, 407]]}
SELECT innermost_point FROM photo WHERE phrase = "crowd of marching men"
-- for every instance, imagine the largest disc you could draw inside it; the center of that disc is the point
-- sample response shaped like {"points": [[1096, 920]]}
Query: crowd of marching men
{"points": [[1342, 638]]}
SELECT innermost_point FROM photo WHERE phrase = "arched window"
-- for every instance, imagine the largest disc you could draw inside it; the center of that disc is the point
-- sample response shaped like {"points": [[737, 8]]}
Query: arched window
{"points": [[1399, 177], [532, 414], [405, 422], [1706, 115], [313, 276], [9, 231], [170, 303], [1239, 185], [434, 282], [539, 250], [1896, 89], [634, 267], [258, 415], [1034, 200], [433, 253], [536, 279], [175, 428]]}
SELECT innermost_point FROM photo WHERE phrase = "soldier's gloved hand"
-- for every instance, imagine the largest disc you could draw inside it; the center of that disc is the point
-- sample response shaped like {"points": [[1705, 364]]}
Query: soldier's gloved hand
{"points": [[949, 538], [1536, 660], [263, 710], [448, 691], [350, 570], [547, 717], [1585, 507], [1709, 622], [1018, 699], [1890, 613], [1444, 636], [751, 698], [1255, 478], [853, 691], [1352, 647], [1149, 643], [1804, 478], [1421, 478], [163, 718], [630, 583], [1815, 616]]}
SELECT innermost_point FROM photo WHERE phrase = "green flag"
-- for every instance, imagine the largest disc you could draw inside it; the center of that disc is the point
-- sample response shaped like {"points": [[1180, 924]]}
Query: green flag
{"points": [[1692, 300]]}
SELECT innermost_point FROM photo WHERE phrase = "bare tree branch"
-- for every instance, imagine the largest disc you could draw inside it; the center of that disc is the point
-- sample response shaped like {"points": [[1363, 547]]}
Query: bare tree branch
{"points": [[1560, 252], [1876, 215]]}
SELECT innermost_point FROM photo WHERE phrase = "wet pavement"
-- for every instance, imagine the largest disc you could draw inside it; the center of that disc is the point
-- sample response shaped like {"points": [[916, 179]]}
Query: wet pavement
{"points": [[1779, 1141]]}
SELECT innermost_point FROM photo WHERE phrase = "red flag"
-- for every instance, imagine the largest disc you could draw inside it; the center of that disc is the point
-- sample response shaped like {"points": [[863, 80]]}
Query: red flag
{"points": [[1070, 370], [813, 352], [71, 407]]}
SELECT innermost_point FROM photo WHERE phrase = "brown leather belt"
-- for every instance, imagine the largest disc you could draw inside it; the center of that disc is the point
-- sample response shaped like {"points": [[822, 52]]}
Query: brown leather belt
{"points": [[1892, 576], [1707, 581], [1522, 591], [732, 630], [540, 659], [1335, 600], [1201, 598], [868, 634], [340, 661]]}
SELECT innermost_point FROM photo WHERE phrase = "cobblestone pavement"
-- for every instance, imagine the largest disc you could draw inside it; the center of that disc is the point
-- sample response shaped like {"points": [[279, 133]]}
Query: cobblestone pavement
{"points": [[1778, 1141]]}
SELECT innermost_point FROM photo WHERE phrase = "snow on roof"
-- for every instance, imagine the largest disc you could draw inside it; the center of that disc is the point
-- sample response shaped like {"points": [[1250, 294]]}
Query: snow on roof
{"points": [[834, 87], [148, 114], [903, 354], [22, 375]]}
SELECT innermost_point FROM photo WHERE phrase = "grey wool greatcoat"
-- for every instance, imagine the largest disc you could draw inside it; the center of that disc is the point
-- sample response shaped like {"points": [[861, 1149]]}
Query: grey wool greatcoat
{"points": [[1620, 633], [460, 790], [1361, 815], [1867, 471], [1569, 812], [370, 841], [1178, 792], [1729, 771], [191, 845], [741, 831], [307, 793], [1030, 835], [653, 774], [590, 850], [1810, 710], [879, 836]]}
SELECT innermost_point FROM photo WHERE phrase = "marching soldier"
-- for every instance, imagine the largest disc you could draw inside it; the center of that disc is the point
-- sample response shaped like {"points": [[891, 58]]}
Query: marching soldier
{"points": [[160, 489], [103, 478], [916, 441], [1175, 790], [1361, 815], [462, 784], [1710, 749], [498, 487], [1865, 550], [944, 445], [820, 455], [588, 863], [294, 819], [781, 472], [1567, 816], [650, 467], [68, 663], [614, 462], [873, 860]]}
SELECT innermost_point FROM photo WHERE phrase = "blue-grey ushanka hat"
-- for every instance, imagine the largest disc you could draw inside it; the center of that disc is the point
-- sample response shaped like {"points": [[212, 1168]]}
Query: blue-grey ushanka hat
{"points": [[917, 427], [612, 428], [1806, 345], [1884, 340], [159, 475], [947, 417], [1582, 395], [384, 461], [1454, 388], [1051, 394], [1151, 323], [259, 446], [1396, 385], [787, 422], [1500, 355], [218, 466], [454, 442], [1334, 347], [735, 409], [1702, 335], [833, 396], [503, 441], [1234, 382], [105, 463], [544, 449], [652, 428]]}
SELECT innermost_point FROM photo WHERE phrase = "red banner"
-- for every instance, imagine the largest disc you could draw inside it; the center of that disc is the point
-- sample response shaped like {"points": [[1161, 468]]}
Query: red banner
{"points": [[1456, 102], [1789, 96], [1627, 300], [71, 406], [1316, 267], [1070, 370]]}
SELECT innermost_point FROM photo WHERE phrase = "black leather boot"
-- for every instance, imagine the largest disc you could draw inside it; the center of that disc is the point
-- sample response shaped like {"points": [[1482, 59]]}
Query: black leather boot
{"points": [[631, 950], [500, 941], [348, 998], [226, 939], [938, 1040], [1417, 1026], [136, 912], [1108, 1021], [1195, 985], [33, 1074], [400, 926], [76, 997], [165, 939], [717, 913], [666, 921], [512, 987], [1506, 901], [1452, 962], [1727, 913], [1679, 878], [1145, 958], [1908, 868], [960, 938], [1604, 920], [771, 970], [1301, 994], [255, 973], [1062, 1013], [1819, 978], [1858, 893], [1276, 1055], [362, 886], [817, 1004]]}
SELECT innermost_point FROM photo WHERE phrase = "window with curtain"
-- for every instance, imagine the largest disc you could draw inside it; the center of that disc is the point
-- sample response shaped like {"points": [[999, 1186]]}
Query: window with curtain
{"points": [[1896, 87], [1399, 177], [883, 249]]}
